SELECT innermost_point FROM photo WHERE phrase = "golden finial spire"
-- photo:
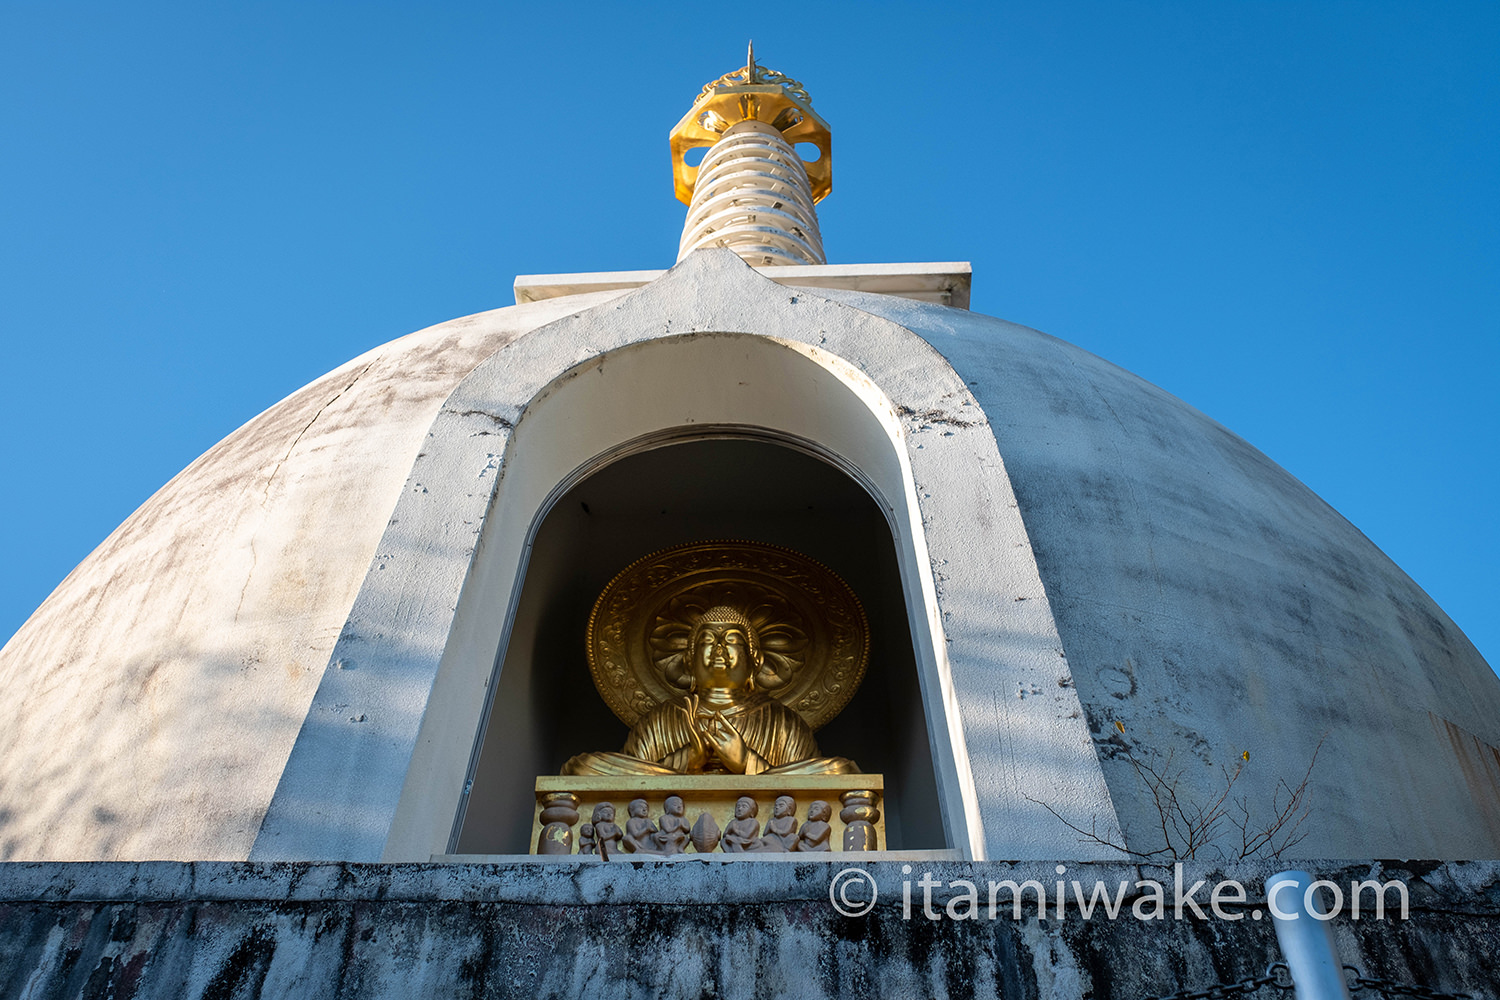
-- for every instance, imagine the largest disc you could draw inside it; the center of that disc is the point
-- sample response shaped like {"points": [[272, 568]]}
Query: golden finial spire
{"points": [[753, 193], [752, 93]]}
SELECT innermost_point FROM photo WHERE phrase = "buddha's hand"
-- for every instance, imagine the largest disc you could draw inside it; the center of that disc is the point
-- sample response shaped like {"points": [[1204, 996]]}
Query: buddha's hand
{"points": [[697, 748], [728, 745]]}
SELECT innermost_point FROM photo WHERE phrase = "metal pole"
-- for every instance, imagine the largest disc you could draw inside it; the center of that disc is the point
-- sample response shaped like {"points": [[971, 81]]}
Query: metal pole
{"points": [[1306, 942]]}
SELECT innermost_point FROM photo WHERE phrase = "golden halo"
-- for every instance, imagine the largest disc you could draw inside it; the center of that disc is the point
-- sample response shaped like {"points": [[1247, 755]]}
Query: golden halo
{"points": [[814, 637]]}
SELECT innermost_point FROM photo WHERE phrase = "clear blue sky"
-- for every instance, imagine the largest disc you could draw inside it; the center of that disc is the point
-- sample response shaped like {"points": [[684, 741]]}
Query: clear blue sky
{"points": [[1284, 213]]}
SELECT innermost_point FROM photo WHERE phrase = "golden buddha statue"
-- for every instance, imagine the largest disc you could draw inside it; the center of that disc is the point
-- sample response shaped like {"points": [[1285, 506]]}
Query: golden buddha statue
{"points": [[723, 725]]}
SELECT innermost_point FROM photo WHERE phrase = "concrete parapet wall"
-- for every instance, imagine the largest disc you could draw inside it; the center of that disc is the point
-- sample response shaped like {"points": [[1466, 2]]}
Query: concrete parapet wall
{"points": [[696, 928]]}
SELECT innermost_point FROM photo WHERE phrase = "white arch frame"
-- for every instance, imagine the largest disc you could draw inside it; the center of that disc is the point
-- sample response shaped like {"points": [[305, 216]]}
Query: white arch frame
{"points": [[377, 769]]}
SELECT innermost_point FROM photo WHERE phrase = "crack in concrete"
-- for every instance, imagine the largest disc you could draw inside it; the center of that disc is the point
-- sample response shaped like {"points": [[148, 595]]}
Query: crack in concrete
{"points": [[292, 447], [933, 416], [499, 420], [265, 497]]}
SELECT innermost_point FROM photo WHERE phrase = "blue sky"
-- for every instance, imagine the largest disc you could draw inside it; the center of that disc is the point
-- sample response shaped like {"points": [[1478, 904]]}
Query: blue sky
{"points": [[1284, 213]]}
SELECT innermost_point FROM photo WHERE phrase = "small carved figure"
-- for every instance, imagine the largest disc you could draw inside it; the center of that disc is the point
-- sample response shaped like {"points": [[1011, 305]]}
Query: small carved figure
{"points": [[607, 836], [815, 832], [673, 830], [744, 830], [782, 825], [705, 834], [640, 832], [586, 839]]}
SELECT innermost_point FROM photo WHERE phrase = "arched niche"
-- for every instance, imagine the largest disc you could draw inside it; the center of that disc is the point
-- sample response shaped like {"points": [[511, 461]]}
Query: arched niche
{"points": [[378, 768], [791, 401], [726, 483]]}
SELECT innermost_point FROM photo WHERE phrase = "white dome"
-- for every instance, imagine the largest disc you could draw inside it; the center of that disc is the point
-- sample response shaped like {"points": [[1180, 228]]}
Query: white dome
{"points": [[1203, 598]]}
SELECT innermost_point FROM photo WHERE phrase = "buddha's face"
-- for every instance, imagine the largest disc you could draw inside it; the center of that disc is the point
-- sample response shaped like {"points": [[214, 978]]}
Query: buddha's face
{"points": [[721, 656]]}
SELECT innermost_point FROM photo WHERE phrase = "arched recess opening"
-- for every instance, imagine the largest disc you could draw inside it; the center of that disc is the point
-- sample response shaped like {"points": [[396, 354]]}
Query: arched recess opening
{"points": [[731, 484], [717, 392]]}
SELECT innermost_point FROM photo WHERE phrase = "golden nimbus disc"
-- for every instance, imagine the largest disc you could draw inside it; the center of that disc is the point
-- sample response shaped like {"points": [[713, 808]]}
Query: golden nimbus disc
{"points": [[814, 637]]}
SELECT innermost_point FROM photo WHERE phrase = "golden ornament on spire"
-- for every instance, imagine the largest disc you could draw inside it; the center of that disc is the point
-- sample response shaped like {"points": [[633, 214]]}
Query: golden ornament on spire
{"points": [[752, 93]]}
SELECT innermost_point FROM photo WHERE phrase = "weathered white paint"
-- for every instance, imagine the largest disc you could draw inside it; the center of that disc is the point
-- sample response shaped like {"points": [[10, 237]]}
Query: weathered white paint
{"points": [[759, 357], [1214, 604], [946, 284], [151, 701], [1198, 589]]}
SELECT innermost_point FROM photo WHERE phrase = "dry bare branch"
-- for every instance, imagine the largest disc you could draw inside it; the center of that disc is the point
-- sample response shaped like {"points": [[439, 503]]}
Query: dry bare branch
{"points": [[1188, 826]]}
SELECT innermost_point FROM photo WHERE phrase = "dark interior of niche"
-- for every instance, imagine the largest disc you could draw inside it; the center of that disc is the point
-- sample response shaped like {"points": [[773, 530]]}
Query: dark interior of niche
{"points": [[546, 707]]}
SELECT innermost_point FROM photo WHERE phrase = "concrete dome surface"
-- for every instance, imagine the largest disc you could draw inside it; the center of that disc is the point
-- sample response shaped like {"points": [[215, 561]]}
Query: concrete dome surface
{"points": [[1207, 603], [153, 697], [1214, 605]]}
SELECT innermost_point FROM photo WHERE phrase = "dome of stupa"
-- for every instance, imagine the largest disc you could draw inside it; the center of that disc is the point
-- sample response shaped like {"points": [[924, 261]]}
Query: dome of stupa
{"points": [[285, 651]]}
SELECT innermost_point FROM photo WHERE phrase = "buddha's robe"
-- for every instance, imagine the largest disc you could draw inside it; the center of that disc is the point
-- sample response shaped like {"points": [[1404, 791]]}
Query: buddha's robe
{"points": [[780, 740]]}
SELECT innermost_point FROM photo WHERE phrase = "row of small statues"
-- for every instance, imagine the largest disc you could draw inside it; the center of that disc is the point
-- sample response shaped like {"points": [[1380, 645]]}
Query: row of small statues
{"points": [[671, 834]]}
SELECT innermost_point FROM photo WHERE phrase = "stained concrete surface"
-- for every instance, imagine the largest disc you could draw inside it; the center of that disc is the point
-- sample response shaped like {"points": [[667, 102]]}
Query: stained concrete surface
{"points": [[1214, 606], [1203, 598], [644, 929]]}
